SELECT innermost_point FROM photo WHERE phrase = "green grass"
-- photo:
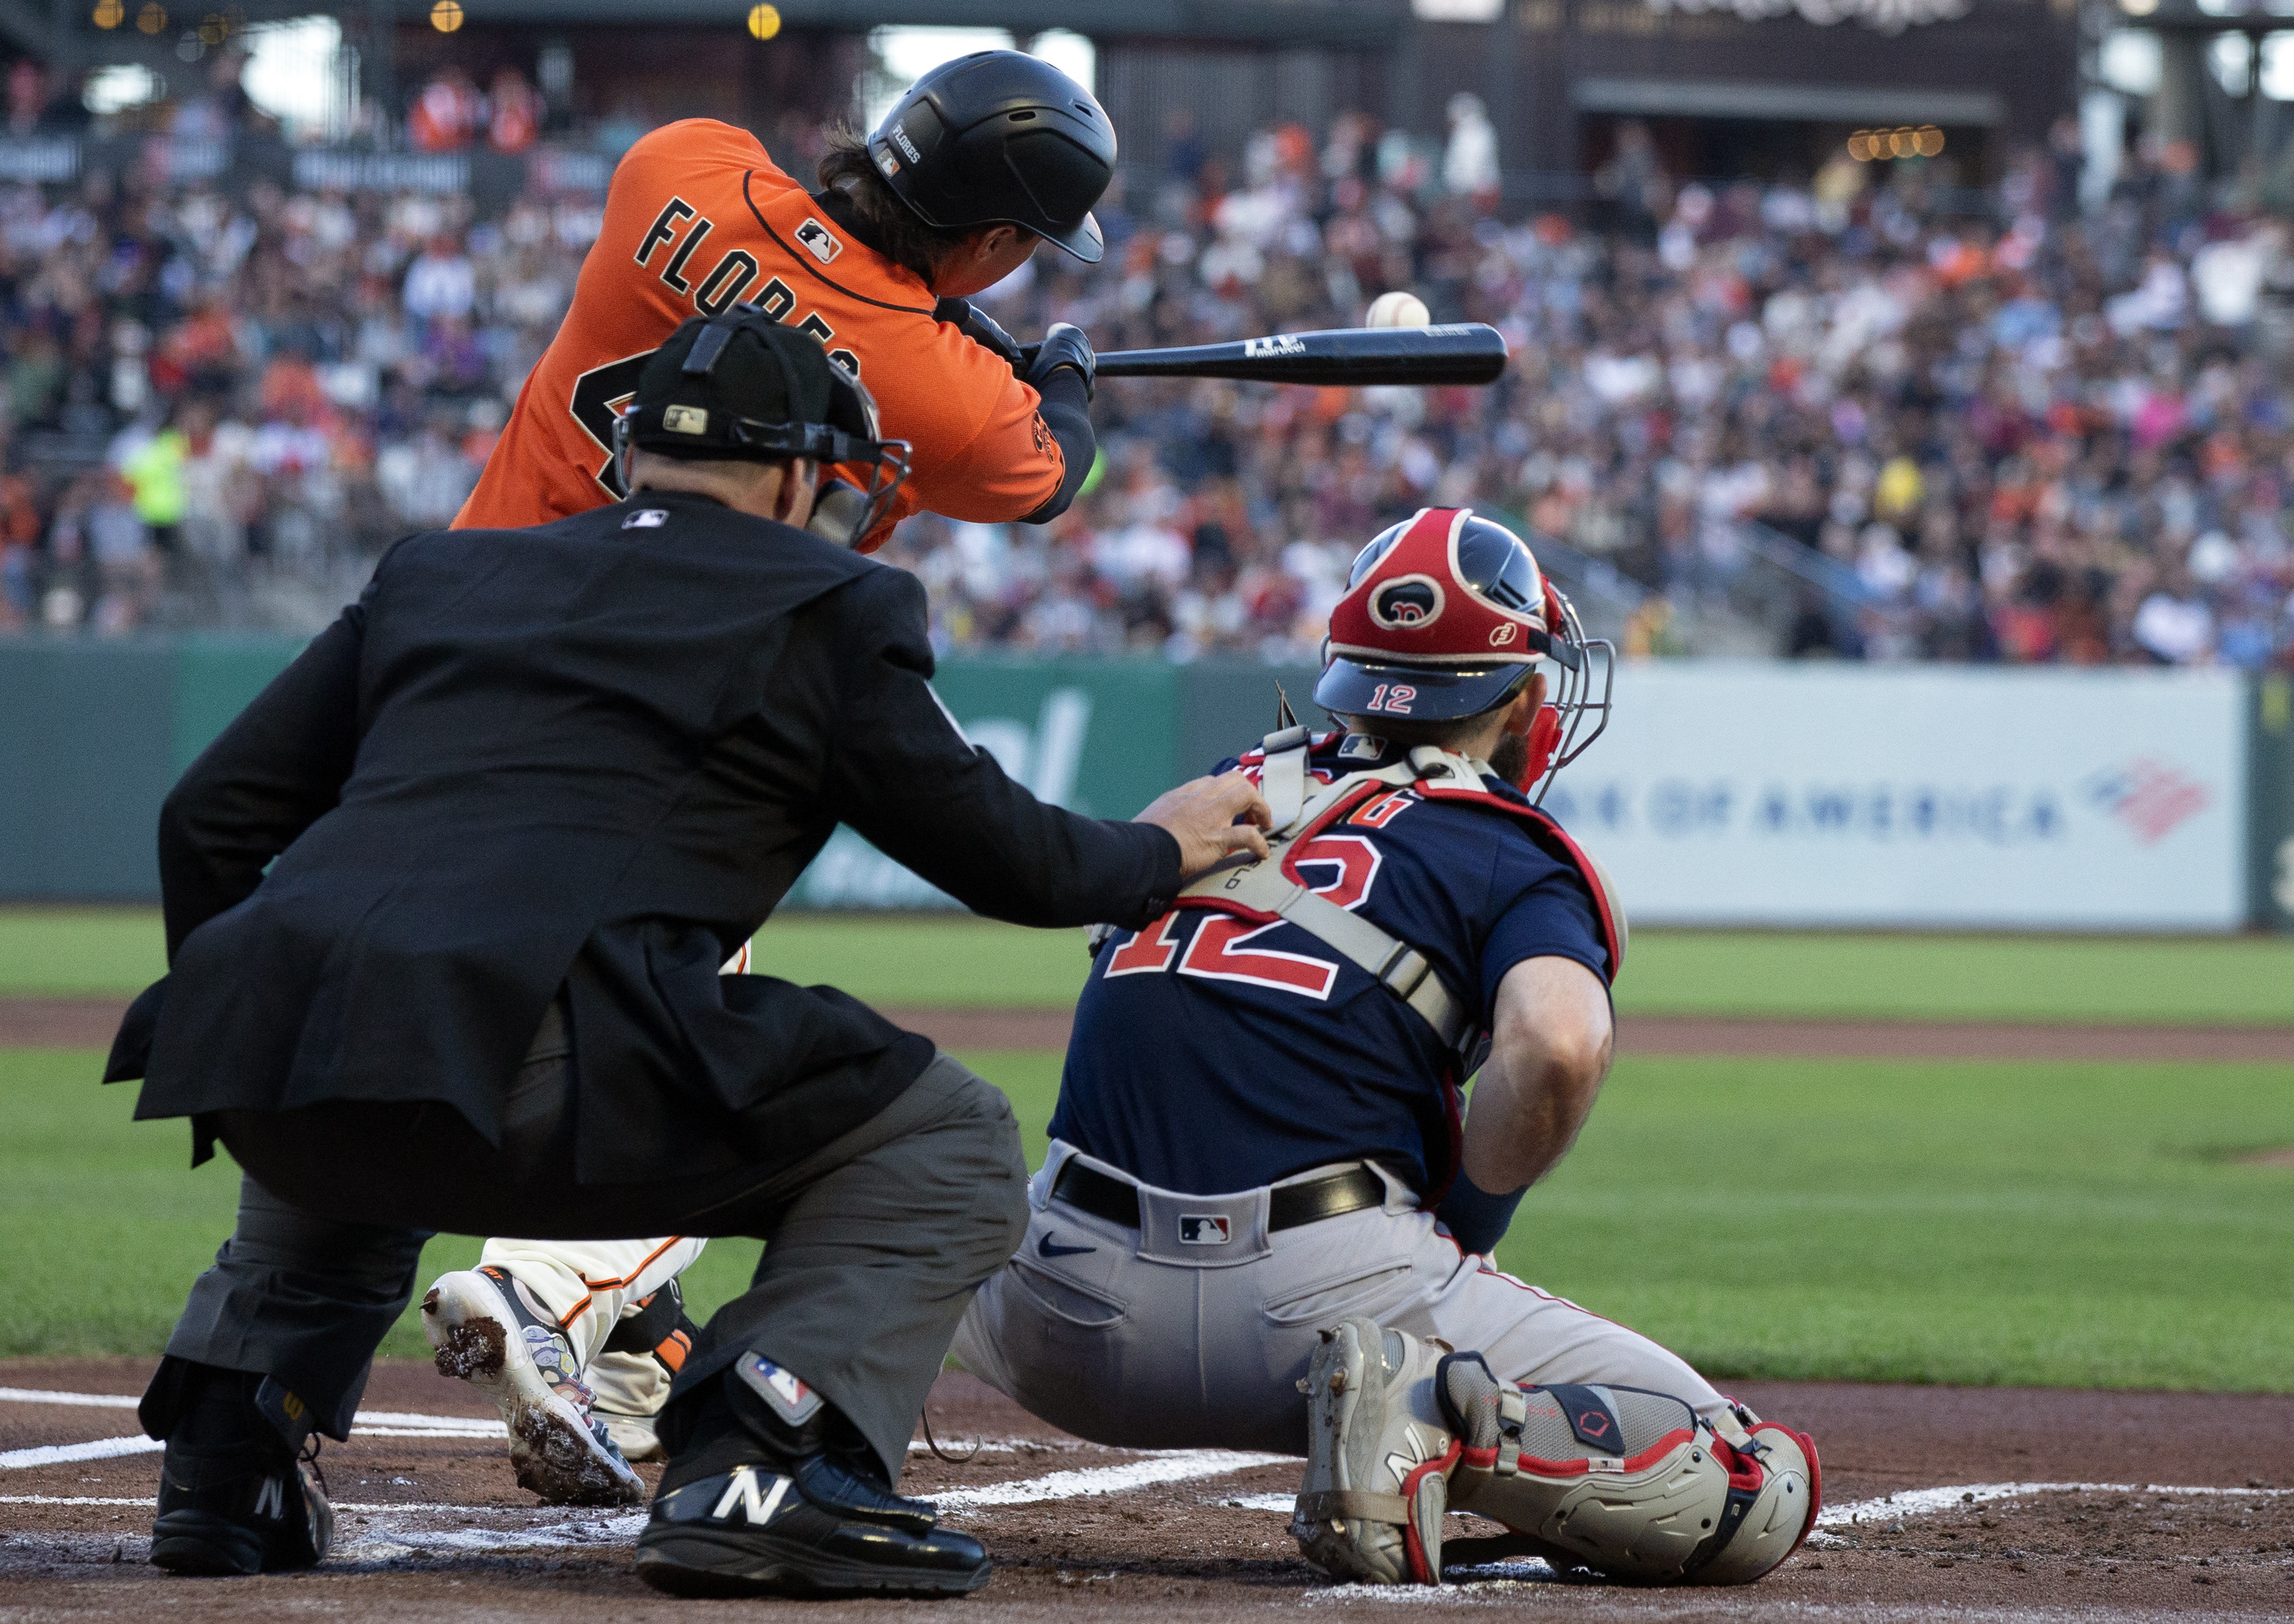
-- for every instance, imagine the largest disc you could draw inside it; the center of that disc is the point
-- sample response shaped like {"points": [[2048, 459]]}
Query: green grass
{"points": [[963, 961], [2143, 979], [2061, 1225], [60, 952]]}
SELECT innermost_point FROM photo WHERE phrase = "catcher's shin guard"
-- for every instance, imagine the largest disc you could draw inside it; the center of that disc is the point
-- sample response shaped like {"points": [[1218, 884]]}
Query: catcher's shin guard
{"points": [[1630, 1483], [1377, 1456]]}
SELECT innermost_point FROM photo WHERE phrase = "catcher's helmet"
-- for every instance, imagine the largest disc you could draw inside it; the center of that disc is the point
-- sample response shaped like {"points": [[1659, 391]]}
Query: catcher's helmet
{"points": [[996, 138], [1446, 616], [739, 385]]}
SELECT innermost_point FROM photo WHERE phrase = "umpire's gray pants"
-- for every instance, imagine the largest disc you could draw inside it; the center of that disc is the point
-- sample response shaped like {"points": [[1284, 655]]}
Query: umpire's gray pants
{"points": [[874, 1243], [1135, 1338]]}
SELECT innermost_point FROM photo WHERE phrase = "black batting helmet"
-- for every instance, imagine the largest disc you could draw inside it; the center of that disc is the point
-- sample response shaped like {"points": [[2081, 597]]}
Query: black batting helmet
{"points": [[1000, 138]]}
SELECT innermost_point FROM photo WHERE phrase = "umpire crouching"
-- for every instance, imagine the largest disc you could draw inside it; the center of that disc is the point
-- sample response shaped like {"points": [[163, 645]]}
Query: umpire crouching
{"points": [[445, 909]]}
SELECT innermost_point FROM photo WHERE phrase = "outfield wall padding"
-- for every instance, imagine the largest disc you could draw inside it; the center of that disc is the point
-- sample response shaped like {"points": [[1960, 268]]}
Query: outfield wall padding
{"points": [[1728, 793], [2270, 848]]}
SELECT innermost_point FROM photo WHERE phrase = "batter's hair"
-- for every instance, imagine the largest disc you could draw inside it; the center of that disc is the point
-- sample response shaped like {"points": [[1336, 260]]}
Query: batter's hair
{"points": [[901, 237]]}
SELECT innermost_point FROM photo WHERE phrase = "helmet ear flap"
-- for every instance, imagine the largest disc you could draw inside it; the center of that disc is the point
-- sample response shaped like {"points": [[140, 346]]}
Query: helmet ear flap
{"points": [[1544, 739]]}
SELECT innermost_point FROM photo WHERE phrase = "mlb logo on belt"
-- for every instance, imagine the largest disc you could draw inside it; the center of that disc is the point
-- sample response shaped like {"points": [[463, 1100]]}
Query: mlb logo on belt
{"points": [[818, 240], [1203, 1229]]}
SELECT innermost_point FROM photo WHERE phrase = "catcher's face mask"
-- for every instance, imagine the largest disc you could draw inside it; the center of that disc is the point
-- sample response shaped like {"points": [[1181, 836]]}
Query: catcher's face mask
{"points": [[1446, 616]]}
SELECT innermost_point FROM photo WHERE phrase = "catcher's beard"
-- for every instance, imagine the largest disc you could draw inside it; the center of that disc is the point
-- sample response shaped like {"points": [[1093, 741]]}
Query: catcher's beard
{"points": [[1510, 759]]}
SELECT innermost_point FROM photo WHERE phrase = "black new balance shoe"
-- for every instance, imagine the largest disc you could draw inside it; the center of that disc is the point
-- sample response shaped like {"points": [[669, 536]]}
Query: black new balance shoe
{"points": [[218, 1514], [234, 1497], [815, 1530]]}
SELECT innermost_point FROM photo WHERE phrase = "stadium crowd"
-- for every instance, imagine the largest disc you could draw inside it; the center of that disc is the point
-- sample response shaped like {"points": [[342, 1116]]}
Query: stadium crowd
{"points": [[2012, 429]]}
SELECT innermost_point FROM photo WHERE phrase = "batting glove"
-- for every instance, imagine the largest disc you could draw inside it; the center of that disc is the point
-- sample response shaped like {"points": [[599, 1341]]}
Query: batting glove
{"points": [[1065, 344]]}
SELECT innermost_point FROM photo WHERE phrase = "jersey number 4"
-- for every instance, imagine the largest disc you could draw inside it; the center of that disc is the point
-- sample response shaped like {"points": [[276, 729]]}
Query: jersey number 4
{"points": [[599, 395], [1340, 868]]}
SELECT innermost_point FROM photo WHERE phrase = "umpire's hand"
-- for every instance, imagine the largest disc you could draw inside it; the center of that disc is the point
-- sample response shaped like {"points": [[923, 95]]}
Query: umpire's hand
{"points": [[1212, 819]]}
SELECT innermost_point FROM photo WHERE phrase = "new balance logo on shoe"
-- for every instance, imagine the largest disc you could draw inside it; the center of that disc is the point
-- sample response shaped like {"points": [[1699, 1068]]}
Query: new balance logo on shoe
{"points": [[745, 1494], [270, 1499]]}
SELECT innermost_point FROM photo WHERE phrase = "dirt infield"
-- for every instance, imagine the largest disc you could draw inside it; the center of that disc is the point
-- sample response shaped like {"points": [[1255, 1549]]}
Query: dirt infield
{"points": [[89, 1023], [2006, 1504]]}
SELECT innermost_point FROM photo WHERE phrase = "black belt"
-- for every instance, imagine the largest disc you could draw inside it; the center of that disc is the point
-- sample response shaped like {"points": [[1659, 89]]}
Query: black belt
{"points": [[1287, 1205]]}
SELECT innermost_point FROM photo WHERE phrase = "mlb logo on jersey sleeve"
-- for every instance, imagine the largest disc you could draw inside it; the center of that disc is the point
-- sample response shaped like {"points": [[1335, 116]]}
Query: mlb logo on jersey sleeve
{"points": [[1204, 1229], [818, 240]]}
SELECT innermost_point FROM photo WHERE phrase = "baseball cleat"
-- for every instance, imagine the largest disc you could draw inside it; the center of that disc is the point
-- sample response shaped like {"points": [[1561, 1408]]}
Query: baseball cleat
{"points": [[813, 1530], [487, 1332], [1370, 1507]]}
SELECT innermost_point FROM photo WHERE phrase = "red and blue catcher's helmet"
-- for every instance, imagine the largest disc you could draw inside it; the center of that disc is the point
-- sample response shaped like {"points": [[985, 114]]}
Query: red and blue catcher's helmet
{"points": [[1446, 616]]}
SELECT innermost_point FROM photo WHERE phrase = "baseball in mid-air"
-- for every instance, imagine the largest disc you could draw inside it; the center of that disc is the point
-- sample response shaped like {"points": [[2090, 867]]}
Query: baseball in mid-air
{"points": [[1398, 309]]}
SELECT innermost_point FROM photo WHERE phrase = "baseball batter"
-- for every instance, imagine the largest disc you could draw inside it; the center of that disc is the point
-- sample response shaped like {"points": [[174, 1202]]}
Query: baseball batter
{"points": [[983, 159], [1239, 1239]]}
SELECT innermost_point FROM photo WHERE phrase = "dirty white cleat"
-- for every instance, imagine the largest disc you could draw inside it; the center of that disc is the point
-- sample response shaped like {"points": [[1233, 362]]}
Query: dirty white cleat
{"points": [[488, 1333], [1370, 1507]]}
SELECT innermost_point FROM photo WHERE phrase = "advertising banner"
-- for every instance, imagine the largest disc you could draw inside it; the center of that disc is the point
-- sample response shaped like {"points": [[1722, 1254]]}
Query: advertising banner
{"points": [[1752, 793]]}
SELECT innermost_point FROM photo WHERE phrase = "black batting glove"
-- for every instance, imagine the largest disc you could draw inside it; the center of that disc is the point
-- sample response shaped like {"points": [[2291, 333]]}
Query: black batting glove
{"points": [[1065, 344], [982, 329]]}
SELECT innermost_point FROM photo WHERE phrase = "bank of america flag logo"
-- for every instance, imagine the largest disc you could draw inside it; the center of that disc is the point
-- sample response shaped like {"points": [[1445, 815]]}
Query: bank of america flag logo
{"points": [[2150, 796]]}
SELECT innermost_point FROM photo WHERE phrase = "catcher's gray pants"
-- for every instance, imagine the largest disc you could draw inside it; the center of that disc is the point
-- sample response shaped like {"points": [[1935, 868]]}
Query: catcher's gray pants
{"points": [[874, 1245], [1134, 1338]]}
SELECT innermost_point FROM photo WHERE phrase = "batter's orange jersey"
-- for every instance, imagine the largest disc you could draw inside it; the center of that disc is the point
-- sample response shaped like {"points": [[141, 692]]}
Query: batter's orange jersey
{"points": [[697, 219]]}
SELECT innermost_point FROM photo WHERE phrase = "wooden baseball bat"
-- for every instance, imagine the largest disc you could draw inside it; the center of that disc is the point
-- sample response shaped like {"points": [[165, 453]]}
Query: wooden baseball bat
{"points": [[1468, 353]]}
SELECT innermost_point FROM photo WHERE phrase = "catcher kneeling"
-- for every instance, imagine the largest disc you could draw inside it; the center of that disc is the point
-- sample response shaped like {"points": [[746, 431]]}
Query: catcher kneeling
{"points": [[1293, 1033]]}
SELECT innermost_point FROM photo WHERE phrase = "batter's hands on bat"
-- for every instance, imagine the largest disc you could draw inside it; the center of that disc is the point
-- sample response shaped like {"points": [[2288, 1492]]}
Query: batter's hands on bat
{"points": [[1064, 345], [982, 329], [1212, 819]]}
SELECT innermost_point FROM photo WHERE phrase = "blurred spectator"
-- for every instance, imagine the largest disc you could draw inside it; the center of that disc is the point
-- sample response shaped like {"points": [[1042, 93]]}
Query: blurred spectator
{"points": [[1861, 417], [515, 112], [1470, 163], [447, 113], [28, 96], [441, 284], [152, 465]]}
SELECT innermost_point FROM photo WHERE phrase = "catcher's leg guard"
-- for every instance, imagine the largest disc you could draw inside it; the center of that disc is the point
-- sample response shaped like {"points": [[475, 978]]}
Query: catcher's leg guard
{"points": [[1378, 1454], [1627, 1482]]}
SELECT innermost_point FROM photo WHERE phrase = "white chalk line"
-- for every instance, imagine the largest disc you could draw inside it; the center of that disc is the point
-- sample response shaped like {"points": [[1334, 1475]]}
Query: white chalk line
{"points": [[1179, 1467], [85, 1401], [65, 1454], [1284, 1503], [368, 1423], [1926, 1502]]}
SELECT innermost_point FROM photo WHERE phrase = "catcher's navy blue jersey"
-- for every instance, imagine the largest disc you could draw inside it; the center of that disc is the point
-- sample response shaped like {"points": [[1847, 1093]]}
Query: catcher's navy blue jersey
{"points": [[1213, 1053]]}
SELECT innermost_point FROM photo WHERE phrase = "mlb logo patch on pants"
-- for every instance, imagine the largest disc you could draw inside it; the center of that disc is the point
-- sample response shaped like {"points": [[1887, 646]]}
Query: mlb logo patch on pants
{"points": [[1204, 1229]]}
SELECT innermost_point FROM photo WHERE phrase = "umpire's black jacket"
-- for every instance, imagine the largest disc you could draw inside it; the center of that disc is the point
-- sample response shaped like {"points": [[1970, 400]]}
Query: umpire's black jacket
{"points": [[593, 754]]}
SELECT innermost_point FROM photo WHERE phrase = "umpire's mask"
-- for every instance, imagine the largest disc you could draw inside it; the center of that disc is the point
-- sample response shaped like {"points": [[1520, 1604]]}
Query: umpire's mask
{"points": [[739, 385]]}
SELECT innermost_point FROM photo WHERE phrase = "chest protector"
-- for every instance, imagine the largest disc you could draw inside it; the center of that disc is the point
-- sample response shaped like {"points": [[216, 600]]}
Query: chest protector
{"points": [[1268, 889]]}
